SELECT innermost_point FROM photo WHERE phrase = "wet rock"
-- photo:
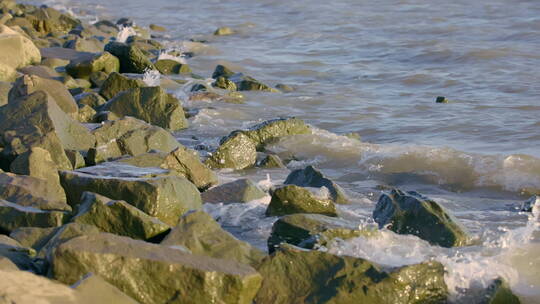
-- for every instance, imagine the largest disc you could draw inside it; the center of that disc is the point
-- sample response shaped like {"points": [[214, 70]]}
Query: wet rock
{"points": [[13, 216], [168, 66], [157, 28], [292, 275], [441, 99], [166, 198], [33, 192], [154, 273], [222, 71], [311, 177], [94, 289], [29, 84], [311, 230], [271, 161], [411, 213], [271, 130], [198, 232], [83, 68], [499, 292], [247, 83], [132, 59], [91, 44], [181, 161], [16, 51], [240, 191], [41, 123], [117, 217], [223, 31], [284, 88], [236, 151], [293, 199], [117, 83], [63, 234], [529, 204], [151, 104], [33, 237], [129, 136], [224, 83]]}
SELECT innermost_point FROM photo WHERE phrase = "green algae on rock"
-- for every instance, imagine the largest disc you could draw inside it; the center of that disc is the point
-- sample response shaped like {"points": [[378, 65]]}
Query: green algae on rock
{"points": [[293, 199], [151, 104], [117, 83], [83, 68], [201, 234], [311, 177], [498, 292], [236, 151], [155, 273], [239, 191], [224, 31], [132, 59], [293, 276], [411, 213], [169, 66]]}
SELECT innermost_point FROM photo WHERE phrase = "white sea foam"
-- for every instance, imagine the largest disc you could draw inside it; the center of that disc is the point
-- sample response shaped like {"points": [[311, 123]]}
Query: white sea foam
{"points": [[124, 33], [152, 78]]}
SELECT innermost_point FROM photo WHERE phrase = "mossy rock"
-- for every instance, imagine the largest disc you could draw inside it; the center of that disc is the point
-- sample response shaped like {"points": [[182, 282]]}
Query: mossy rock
{"points": [[312, 177], [239, 191], [271, 130], [247, 83], [498, 292], [90, 44], [13, 216], [132, 59], [224, 83], [157, 28], [201, 234], [411, 213], [292, 275], [165, 198], [117, 217], [83, 68], [91, 99], [293, 199], [47, 20], [117, 83], [153, 273], [151, 104], [169, 66], [236, 151], [271, 161], [222, 71], [224, 31]]}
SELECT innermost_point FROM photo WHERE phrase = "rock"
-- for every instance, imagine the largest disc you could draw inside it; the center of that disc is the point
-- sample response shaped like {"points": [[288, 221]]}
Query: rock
{"points": [[117, 83], [284, 88], [40, 71], [38, 163], [166, 198], [7, 265], [441, 99], [239, 191], [237, 151], [129, 136], [225, 83], [118, 217], [312, 230], [292, 275], [16, 254], [529, 204], [13, 216], [41, 123], [125, 170], [168, 66], [16, 51], [28, 191], [47, 20], [5, 87], [86, 114], [57, 92], [272, 161], [91, 99], [274, 129], [54, 62], [411, 213], [293, 199], [33, 237], [181, 161], [97, 79], [499, 292], [222, 71], [311, 177], [247, 83], [198, 232], [64, 234], [132, 59], [75, 158], [151, 104], [83, 68], [153, 273], [157, 28], [91, 44], [223, 31], [95, 289]]}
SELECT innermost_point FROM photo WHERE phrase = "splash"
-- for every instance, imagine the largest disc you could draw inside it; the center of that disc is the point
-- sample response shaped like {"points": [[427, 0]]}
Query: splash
{"points": [[152, 78], [167, 55], [124, 33]]}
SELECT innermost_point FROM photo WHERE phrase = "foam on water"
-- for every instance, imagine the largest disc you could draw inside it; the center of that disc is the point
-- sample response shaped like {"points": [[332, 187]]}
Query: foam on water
{"points": [[124, 33], [152, 78]]}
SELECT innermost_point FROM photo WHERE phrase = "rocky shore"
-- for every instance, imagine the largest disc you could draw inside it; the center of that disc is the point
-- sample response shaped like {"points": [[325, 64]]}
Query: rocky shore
{"points": [[100, 203]]}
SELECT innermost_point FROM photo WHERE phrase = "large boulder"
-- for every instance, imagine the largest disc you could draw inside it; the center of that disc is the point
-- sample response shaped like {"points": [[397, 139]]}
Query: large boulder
{"points": [[118, 217], [13, 216], [16, 51], [153, 273], [37, 121], [201, 234], [292, 199], [57, 91], [412, 213], [312, 230], [132, 59], [292, 275], [236, 151], [166, 198], [151, 104], [181, 161], [28, 191], [311, 177], [84, 67], [274, 129], [94, 289], [240, 191], [129, 136], [117, 83], [46, 20]]}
